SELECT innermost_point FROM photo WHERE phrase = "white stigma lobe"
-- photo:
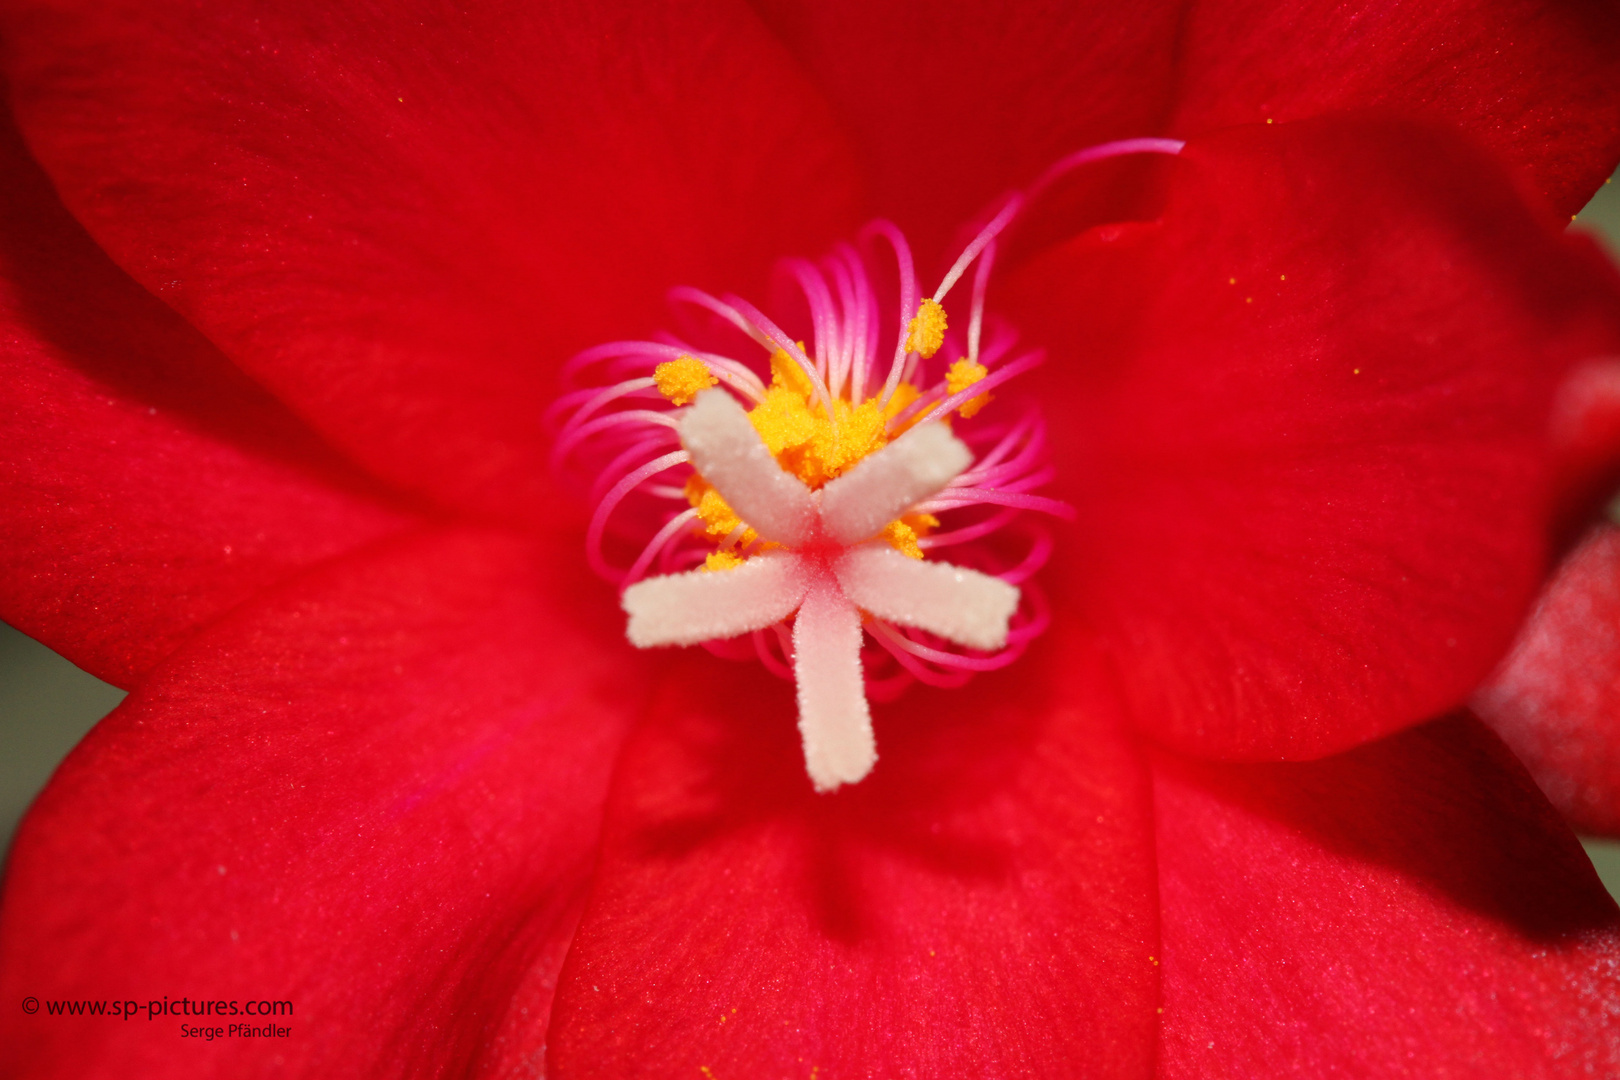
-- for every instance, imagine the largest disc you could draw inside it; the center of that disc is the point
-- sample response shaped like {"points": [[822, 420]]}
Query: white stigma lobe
{"points": [[827, 574]]}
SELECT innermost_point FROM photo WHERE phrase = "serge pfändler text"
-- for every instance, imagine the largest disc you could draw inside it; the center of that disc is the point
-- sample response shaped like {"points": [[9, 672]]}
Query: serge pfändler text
{"points": [[235, 1031], [130, 1008]]}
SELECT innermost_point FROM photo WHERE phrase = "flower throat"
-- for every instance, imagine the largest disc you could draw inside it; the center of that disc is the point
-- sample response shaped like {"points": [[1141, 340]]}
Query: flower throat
{"points": [[855, 516]]}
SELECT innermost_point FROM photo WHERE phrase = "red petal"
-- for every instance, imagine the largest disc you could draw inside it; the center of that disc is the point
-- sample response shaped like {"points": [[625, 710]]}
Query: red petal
{"points": [[402, 222], [1586, 442], [1411, 908], [1010, 91], [374, 795], [1305, 420], [1534, 81], [1556, 699], [980, 906], [146, 486]]}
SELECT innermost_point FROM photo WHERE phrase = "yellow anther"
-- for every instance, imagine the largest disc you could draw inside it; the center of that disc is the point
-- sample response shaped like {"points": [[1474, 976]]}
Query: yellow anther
{"points": [[785, 371], [963, 374], [903, 395], [793, 424], [680, 380], [722, 560], [796, 430], [926, 333], [903, 538], [719, 518], [903, 533]]}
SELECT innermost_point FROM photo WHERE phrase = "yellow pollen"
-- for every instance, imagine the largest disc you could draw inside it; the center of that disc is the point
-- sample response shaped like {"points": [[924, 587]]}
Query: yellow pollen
{"points": [[721, 520], [680, 380], [903, 533], [926, 333], [794, 426], [963, 374], [796, 430], [903, 395]]}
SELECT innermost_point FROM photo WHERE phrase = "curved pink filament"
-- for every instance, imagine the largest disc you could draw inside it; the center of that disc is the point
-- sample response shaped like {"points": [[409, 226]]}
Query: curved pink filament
{"points": [[1040, 550], [647, 417], [787, 345], [655, 546], [824, 321], [999, 659], [989, 382], [1100, 152], [762, 649], [984, 239], [891, 641], [981, 283], [621, 465], [908, 297], [968, 533], [977, 496], [593, 534], [699, 298], [630, 387]]}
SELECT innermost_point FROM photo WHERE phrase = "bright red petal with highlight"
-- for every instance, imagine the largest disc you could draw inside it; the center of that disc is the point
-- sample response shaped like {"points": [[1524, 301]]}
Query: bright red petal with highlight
{"points": [[1305, 437], [374, 794], [1536, 81], [1413, 908], [981, 905], [147, 486], [1007, 91], [1556, 699], [401, 218]]}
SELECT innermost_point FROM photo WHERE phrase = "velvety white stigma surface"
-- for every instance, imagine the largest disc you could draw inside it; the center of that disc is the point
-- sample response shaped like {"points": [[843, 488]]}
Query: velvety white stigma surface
{"points": [[697, 606], [729, 453], [822, 570], [834, 720], [958, 604], [918, 464]]}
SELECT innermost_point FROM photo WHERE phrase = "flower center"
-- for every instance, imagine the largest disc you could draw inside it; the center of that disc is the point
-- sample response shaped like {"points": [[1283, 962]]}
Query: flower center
{"points": [[790, 502], [814, 444]]}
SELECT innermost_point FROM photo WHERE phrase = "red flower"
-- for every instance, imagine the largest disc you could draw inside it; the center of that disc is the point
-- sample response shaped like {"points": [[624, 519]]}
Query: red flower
{"points": [[387, 755]]}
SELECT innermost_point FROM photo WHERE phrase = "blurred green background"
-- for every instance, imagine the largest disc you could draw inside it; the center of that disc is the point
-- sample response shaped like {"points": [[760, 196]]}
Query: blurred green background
{"points": [[47, 704]]}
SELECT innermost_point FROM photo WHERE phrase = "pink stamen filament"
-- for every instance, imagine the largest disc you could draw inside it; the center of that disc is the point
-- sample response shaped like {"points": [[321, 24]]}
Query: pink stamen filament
{"points": [[623, 462], [971, 496], [1030, 431], [908, 298], [642, 387], [698, 298], [904, 640], [593, 534], [967, 533], [656, 545], [784, 644], [1101, 152], [986, 236], [1007, 371], [822, 318], [781, 341], [981, 283]]}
